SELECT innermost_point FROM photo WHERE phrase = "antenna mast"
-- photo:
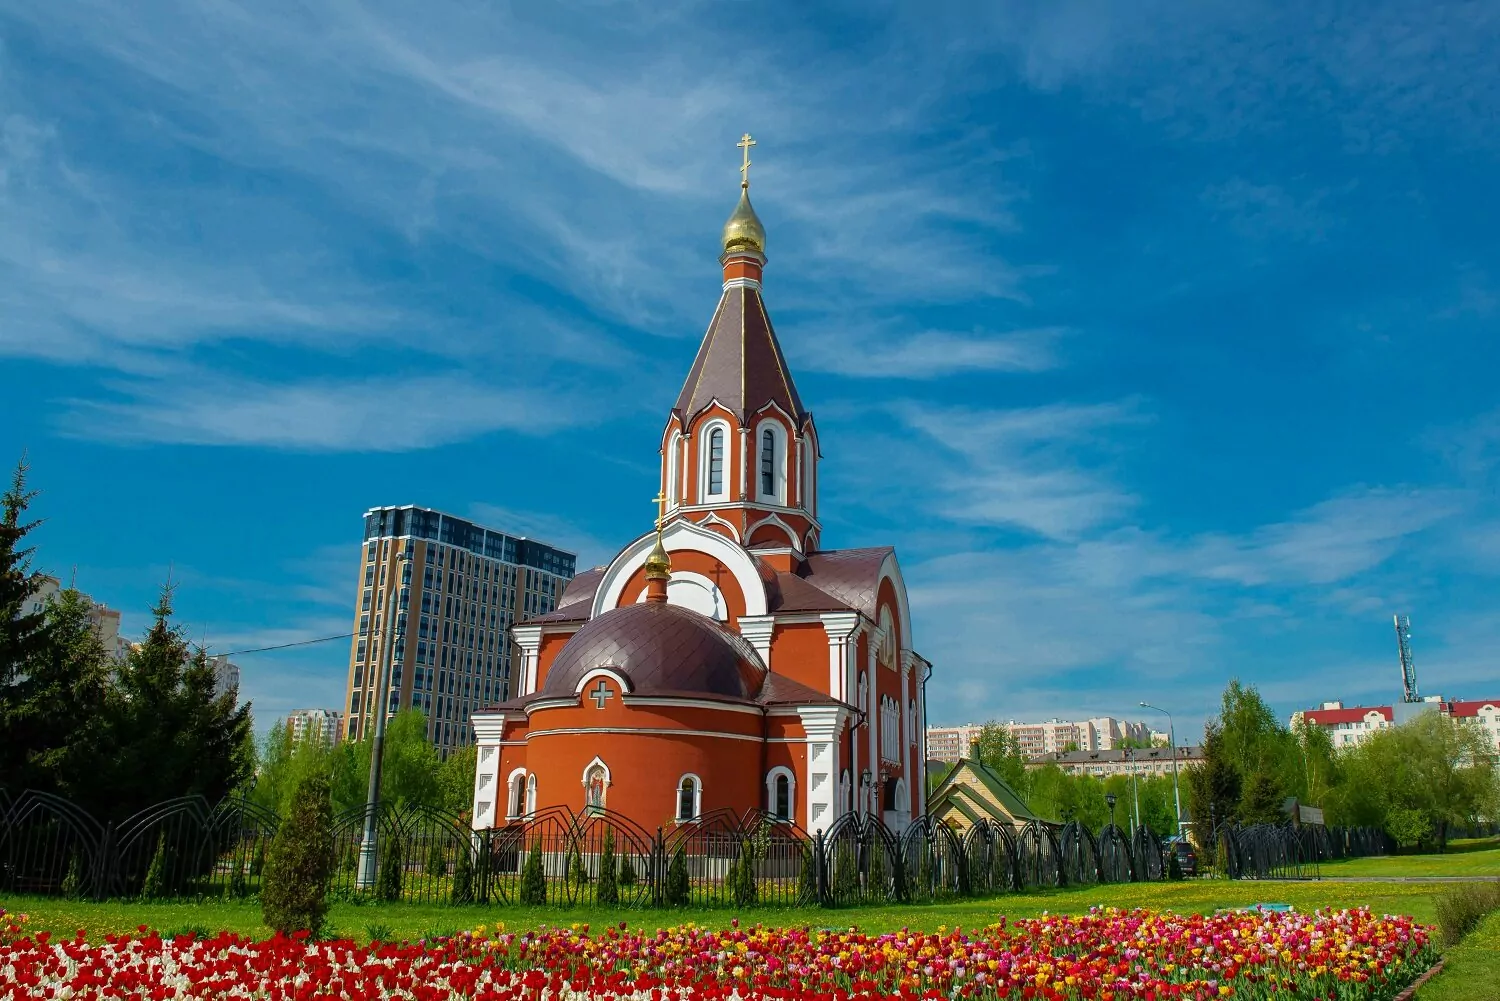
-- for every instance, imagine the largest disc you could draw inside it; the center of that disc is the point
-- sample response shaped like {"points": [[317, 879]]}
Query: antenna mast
{"points": [[1408, 663]]}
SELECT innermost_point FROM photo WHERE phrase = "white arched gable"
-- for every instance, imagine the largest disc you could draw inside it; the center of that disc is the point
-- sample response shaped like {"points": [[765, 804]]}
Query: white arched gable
{"points": [[681, 535], [775, 521], [603, 672], [891, 570], [696, 592], [705, 458], [713, 519]]}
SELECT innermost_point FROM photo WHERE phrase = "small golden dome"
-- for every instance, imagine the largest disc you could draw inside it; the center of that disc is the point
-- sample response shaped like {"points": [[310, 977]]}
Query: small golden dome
{"points": [[743, 231], [658, 564]]}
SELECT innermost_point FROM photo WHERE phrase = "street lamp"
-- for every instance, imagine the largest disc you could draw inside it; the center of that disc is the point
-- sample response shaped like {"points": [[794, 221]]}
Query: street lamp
{"points": [[1135, 792], [387, 655], [1172, 738], [1109, 801]]}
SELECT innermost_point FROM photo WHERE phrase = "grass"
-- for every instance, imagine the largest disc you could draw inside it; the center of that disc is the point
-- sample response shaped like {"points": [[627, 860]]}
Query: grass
{"points": [[1465, 859], [412, 921], [1471, 969]]}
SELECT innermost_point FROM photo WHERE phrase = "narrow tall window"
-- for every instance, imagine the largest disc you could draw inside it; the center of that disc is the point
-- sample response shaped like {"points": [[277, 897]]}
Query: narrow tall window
{"points": [[783, 798], [768, 463], [687, 798], [716, 461]]}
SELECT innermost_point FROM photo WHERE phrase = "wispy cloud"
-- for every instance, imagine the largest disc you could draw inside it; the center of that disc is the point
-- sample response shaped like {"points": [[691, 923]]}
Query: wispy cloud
{"points": [[926, 354], [372, 415], [1268, 211]]}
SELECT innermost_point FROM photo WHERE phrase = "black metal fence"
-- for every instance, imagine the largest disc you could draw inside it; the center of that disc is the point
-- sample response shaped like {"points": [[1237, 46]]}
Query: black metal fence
{"points": [[186, 849]]}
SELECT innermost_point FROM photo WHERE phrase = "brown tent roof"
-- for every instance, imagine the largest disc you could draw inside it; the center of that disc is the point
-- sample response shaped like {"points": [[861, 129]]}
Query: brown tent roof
{"points": [[740, 363], [850, 575], [797, 595]]}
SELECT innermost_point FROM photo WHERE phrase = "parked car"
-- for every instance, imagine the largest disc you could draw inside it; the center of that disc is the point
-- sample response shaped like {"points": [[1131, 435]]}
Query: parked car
{"points": [[1187, 856]]}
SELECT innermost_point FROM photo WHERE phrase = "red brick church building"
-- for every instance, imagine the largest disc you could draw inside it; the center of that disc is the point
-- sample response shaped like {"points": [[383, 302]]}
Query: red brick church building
{"points": [[726, 660]]}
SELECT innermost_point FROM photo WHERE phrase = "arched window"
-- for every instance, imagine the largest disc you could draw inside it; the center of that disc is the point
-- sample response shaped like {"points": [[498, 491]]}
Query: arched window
{"points": [[689, 797], [531, 794], [773, 455], [670, 460], [516, 794], [716, 462], [781, 790], [768, 463], [846, 792]]}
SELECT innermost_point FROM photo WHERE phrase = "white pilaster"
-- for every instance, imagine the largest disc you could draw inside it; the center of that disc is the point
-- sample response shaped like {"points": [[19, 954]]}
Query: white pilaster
{"points": [[758, 630], [529, 639], [489, 731], [907, 731], [872, 721], [840, 627], [822, 726]]}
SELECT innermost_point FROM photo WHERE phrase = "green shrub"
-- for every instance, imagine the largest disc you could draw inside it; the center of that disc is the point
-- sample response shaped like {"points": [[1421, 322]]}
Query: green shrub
{"points": [[627, 871], [807, 879], [294, 890], [239, 886], [392, 870], [72, 885], [155, 885], [437, 861], [846, 875], [742, 878], [258, 860], [1460, 910], [577, 873], [877, 884], [609, 888], [534, 877], [463, 876], [1174, 867], [379, 932], [351, 859], [679, 889]]}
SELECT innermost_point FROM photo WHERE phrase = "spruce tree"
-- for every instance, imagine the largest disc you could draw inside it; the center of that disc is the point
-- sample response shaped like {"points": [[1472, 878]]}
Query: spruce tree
{"points": [[609, 890], [679, 888], [877, 884], [846, 875], [25, 636], [534, 877], [392, 869], [437, 861], [294, 890], [154, 886], [463, 875], [628, 876], [807, 876]]}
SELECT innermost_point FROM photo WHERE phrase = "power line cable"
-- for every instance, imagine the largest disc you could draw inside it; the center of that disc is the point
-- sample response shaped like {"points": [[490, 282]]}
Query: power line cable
{"points": [[287, 646]]}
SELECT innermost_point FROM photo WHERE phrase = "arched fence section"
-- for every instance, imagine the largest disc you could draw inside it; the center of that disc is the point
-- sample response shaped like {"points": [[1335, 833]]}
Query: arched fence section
{"points": [[188, 849]]}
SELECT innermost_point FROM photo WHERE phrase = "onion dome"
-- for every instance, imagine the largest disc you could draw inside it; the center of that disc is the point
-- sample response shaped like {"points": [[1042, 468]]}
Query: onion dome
{"points": [[744, 231], [661, 649]]}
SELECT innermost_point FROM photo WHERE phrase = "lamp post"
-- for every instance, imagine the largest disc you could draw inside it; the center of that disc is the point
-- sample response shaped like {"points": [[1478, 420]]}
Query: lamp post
{"points": [[377, 749], [1135, 792], [1109, 801], [1172, 738]]}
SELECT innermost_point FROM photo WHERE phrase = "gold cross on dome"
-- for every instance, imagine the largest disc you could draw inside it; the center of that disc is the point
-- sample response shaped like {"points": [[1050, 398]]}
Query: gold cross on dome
{"points": [[745, 143], [660, 500]]}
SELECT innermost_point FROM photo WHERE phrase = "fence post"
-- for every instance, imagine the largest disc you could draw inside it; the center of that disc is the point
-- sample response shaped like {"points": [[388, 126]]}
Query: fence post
{"points": [[820, 860], [658, 868], [100, 877]]}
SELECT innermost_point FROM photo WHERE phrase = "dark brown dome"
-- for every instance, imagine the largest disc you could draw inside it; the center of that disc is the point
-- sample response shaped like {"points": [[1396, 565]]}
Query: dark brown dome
{"points": [[660, 648]]}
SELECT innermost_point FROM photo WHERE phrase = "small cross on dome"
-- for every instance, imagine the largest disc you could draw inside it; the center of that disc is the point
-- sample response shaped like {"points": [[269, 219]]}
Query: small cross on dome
{"points": [[601, 694], [745, 143]]}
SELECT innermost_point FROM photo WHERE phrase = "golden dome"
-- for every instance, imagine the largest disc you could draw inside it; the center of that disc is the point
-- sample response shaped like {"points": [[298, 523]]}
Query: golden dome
{"points": [[743, 231], [658, 563]]}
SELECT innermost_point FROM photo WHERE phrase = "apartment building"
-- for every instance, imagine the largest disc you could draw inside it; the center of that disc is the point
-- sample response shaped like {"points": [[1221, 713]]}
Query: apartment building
{"points": [[106, 620], [950, 743], [456, 588], [326, 723], [1351, 725], [1102, 733], [1141, 762]]}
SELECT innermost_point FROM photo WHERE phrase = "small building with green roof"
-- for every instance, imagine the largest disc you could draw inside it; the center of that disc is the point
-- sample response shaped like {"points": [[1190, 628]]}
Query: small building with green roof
{"points": [[972, 793]]}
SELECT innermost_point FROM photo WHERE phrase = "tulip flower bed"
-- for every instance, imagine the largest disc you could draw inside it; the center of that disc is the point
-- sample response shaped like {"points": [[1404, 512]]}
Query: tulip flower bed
{"points": [[1104, 955]]}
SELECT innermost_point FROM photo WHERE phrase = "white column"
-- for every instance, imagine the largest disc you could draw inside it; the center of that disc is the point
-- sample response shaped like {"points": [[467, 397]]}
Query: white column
{"points": [[489, 731], [839, 626], [907, 732], [529, 639], [872, 719], [758, 630], [822, 726]]}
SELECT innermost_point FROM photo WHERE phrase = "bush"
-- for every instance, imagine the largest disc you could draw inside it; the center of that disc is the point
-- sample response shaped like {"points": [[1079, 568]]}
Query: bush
{"points": [[463, 875], [1174, 867], [437, 861], [294, 890], [392, 869], [846, 874], [1460, 910], [807, 878], [609, 888], [878, 884], [627, 871], [577, 873], [534, 877], [72, 885]]}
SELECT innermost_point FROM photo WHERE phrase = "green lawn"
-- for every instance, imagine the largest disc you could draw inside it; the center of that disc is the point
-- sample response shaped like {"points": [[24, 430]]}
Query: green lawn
{"points": [[416, 920], [1465, 859], [1471, 969]]}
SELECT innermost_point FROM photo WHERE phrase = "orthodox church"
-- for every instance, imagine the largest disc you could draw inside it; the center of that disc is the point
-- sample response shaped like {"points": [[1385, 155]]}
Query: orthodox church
{"points": [[725, 660]]}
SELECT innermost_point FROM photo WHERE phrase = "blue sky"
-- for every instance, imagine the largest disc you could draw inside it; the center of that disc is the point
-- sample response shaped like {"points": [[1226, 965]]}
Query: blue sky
{"points": [[1159, 338]]}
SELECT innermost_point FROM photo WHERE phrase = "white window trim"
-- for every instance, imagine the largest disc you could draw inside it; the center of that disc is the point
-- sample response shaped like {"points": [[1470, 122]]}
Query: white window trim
{"points": [[673, 448], [778, 492], [530, 794], [705, 452], [697, 797], [520, 776], [791, 798]]}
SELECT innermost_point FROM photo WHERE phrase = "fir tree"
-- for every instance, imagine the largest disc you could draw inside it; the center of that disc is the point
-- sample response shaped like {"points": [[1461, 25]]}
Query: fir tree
{"points": [[72, 885], [463, 875], [627, 870], [679, 889], [578, 875], [24, 634], [392, 870], [1261, 802], [846, 875], [534, 877], [154, 887], [609, 890], [877, 883], [294, 892], [437, 861], [742, 879], [807, 876]]}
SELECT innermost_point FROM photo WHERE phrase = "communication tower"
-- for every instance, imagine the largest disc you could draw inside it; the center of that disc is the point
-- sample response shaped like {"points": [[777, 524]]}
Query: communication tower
{"points": [[1408, 663]]}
